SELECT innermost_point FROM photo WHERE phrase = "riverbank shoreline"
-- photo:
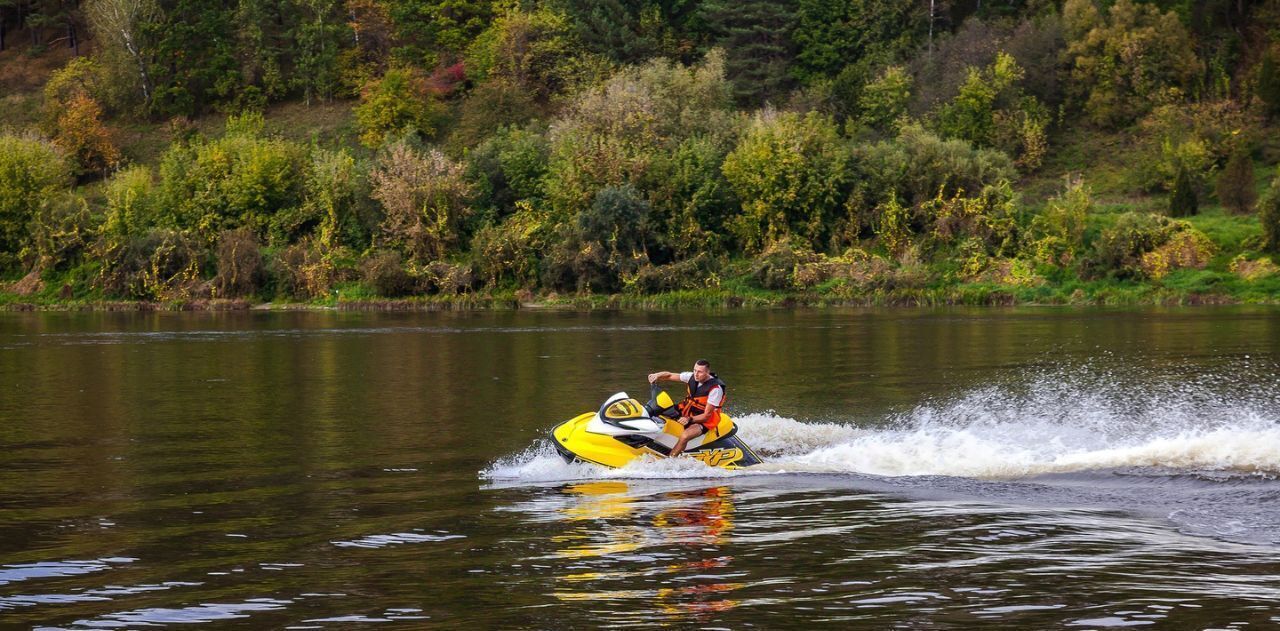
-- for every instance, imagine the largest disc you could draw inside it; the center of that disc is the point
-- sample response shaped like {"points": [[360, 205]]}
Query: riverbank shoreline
{"points": [[971, 296]]}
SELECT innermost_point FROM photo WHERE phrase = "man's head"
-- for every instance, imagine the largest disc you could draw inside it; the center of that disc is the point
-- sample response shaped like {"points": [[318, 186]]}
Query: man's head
{"points": [[701, 370]]}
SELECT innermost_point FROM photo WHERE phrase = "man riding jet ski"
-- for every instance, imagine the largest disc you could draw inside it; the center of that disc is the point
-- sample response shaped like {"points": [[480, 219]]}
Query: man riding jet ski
{"points": [[624, 429], [700, 410]]}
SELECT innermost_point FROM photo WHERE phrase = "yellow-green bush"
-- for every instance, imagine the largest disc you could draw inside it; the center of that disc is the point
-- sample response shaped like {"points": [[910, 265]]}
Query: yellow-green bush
{"points": [[132, 202], [303, 271], [989, 218], [1269, 216], [918, 165], [775, 267], [242, 179], [510, 250], [1188, 249], [1252, 270], [61, 230], [443, 277], [535, 50], [397, 103], [162, 264], [611, 134], [336, 202], [1146, 245], [31, 169], [1057, 232], [694, 273], [789, 171], [884, 99]]}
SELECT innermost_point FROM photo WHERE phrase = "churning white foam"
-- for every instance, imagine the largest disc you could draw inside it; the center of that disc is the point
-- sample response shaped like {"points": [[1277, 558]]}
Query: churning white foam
{"points": [[1051, 424], [541, 463]]}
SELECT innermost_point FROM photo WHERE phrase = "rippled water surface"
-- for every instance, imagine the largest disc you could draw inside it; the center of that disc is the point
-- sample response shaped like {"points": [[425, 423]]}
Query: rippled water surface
{"points": [[1037, 468]]}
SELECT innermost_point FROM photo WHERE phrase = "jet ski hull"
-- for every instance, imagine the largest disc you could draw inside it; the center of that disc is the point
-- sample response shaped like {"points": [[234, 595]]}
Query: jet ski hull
{"points": [[721, 447]]}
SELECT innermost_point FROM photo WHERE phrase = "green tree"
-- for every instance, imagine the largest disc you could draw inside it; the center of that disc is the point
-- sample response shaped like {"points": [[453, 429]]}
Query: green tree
{"points": [[1236, 183], [507, 167], [1269, 84], [614, 133], [434, 31], [132, 204], [319, 38], [971, 115], [334, 202], [61, 230], [616, 219], [118, 26], [830, 34], [991, 110], [1127, 61], [263, 30], [534, 50], [884, 100], [918, 166], [789, 171], [1058, 231], [633, 31], [692, 201], [194, 65]]}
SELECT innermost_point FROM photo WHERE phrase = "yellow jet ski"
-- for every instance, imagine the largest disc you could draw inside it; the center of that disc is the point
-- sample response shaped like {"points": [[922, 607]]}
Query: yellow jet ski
{"points": [[624, 429]]}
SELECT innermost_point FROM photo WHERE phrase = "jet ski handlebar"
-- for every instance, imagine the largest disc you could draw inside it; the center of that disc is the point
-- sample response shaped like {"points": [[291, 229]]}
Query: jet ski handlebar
{"points": [[653, 407]]}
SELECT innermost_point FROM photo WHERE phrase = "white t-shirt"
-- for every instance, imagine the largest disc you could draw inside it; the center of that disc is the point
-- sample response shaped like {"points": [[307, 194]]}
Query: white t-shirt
{"points": [[715, 397]]}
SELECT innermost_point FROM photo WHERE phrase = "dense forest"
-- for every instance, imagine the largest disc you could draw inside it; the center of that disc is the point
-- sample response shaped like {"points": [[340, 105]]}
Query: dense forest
{"points": [[900, 151]]}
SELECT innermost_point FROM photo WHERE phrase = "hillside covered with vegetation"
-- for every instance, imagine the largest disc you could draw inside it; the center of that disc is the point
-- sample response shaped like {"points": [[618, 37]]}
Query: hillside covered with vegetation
{"points": [[707, 151]]}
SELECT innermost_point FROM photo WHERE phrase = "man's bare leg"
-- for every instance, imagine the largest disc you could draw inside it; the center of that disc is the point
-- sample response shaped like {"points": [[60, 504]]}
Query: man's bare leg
{"points": [[691, 432]]}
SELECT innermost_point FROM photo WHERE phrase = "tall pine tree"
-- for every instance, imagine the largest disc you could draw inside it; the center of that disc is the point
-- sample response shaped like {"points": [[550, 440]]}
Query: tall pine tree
{"points": [[632, 31], [194, 64], [1183, 200], [756, 37]]}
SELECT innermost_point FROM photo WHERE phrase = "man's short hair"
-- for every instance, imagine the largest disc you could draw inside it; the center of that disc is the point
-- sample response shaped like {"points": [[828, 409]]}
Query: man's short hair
{"points": [[703, 362]]}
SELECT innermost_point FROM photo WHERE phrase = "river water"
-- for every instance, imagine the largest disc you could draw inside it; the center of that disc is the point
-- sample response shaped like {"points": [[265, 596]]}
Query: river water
{"points": [[925, 469]]}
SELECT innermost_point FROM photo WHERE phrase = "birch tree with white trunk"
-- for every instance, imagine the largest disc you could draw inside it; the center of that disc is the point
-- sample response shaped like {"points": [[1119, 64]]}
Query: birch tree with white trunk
{"points": [[118, 23]]}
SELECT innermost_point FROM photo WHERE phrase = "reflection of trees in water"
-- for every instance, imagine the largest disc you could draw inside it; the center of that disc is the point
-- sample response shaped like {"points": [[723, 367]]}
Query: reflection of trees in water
{"points": [[682, 522]]}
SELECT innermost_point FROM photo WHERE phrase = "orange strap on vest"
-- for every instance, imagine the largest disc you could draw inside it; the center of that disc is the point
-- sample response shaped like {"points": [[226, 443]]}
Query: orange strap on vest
{"points": [[693, 406]]}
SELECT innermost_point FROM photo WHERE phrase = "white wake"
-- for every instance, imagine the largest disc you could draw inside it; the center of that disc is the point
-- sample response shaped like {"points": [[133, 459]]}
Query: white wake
{"points": [[1054, 424]]}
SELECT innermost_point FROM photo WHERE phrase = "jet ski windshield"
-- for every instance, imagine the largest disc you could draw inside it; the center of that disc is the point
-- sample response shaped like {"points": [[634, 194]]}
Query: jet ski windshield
{"points": [[622, 410], [626, 414]]}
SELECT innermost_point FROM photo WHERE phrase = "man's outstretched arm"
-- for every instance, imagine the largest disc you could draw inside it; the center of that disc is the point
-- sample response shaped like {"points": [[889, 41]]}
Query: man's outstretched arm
{"points": [[655, 377]]}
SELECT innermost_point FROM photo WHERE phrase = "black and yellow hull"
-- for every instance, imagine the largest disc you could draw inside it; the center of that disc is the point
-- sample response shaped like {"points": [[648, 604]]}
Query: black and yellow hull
{"points": [[720, 447]]}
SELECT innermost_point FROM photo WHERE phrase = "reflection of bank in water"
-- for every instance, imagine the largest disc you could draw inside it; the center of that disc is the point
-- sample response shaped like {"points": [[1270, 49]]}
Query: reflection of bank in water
{"points": [[683, 522]]}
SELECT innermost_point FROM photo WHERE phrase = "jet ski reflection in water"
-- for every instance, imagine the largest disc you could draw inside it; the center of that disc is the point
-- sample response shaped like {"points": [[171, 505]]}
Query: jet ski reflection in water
{"points": [[623, 429]]}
